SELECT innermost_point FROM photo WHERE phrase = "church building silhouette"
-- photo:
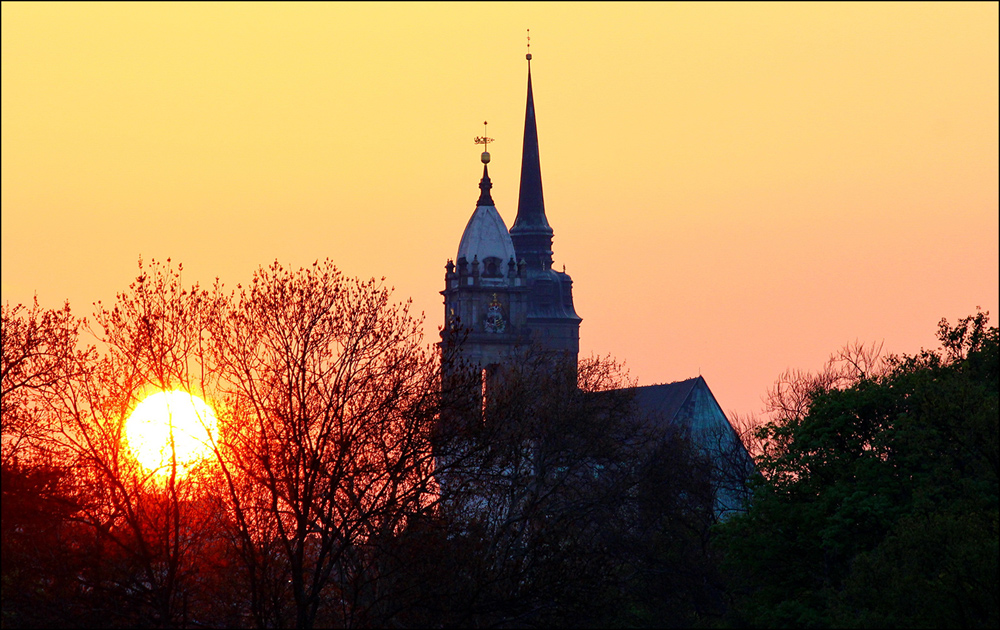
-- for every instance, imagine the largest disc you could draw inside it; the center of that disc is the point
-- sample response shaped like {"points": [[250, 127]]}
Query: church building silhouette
{"points": [[502, 295]]}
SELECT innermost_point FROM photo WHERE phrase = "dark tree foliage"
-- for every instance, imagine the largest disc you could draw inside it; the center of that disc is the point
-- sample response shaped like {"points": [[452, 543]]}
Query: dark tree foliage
{"points": [[349, 485], [878, 505], [562, 506], [40, 548]]}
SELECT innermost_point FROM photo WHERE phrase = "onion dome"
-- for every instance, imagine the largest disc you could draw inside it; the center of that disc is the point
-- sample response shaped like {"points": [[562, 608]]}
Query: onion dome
{"points": [[486, 235]]}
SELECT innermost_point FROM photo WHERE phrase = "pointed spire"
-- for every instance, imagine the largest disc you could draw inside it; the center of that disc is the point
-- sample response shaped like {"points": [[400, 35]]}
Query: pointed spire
{"points": [[530, 202], [531, 233], [485, 199]]}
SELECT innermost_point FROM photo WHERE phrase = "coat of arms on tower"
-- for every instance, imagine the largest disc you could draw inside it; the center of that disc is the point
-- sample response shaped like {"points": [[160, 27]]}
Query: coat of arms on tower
{"points": [[494, 322]]}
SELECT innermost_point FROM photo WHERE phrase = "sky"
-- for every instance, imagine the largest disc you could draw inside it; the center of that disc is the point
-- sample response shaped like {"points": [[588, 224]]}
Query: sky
{"points": [[736, 189]]}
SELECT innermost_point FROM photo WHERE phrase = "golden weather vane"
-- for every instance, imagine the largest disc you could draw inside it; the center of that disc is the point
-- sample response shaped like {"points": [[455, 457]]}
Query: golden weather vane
{"points": [[483, 140]]}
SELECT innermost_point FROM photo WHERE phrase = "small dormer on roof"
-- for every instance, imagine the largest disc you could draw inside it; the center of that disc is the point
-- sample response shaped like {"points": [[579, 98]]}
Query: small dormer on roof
{"points": [[486, 239]]}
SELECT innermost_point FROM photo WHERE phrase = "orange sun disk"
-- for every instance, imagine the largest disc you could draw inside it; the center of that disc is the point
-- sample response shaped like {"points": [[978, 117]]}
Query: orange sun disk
{"points": [[171, 424]]}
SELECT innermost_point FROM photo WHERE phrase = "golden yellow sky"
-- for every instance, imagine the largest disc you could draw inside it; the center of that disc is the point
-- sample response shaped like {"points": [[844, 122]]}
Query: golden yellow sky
{"points": [[735, 188]]}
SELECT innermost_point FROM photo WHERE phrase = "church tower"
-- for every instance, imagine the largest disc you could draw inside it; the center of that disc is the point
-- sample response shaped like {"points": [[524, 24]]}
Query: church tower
{"points": [[502, 297], [553, 321], [501, 292], [485, 295]]}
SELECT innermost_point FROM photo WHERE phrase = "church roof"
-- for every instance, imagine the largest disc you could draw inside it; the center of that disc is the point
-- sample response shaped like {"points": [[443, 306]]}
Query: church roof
{"points": [[690, 405], [485, 234], [671, 403], [666, 399]]}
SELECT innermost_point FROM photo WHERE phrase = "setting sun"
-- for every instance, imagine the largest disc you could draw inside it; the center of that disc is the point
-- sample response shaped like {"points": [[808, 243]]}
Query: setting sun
{"points": [[166, 419]]}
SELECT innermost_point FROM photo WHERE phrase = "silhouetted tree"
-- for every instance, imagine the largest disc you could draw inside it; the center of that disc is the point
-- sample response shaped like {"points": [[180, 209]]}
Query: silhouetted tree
{"points": [[39, 350], [879, 499], [330, 402], [350, 486], [563, 505], [42, 550], [151, 528]]}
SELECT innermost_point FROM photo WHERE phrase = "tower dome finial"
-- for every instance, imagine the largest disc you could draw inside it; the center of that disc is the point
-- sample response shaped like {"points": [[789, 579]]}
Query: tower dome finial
{"points": [[528, 56], [484, 184], [483, 140]]}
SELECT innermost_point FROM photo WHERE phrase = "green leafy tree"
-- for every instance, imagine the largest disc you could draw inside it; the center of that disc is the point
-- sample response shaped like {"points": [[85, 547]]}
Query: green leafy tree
{"points": [[879, 496]]}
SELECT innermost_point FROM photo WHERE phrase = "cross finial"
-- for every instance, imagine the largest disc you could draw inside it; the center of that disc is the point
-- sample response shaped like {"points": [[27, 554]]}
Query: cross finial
{"points": [[528, 56], [485, 141]]}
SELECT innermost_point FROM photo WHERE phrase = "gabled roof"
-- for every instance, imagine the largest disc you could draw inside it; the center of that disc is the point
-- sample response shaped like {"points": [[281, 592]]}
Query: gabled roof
{"points": [[666, 399], [688, 403], [691, 406]]}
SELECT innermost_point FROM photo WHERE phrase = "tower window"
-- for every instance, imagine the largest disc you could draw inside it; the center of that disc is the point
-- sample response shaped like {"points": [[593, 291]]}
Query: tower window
{"points": [[491, 267]]}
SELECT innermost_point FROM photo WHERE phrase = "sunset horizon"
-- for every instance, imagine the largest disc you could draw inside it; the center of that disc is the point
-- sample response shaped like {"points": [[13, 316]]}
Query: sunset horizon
{"points": [[735, 190], [500, 315]]}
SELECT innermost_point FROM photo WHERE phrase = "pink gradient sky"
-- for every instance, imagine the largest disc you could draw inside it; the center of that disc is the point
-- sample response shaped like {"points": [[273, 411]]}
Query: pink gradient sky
{"points": [[736, 189]]}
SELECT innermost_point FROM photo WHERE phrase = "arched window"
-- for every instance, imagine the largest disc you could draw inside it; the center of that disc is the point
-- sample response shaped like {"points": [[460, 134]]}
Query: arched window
{"points": [[491, 267]]}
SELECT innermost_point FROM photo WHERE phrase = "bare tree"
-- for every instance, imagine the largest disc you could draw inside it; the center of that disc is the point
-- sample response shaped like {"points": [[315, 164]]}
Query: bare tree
{"points": [[794, 390], [39, 349], [150, 525], [330, 405], [747, 427]]}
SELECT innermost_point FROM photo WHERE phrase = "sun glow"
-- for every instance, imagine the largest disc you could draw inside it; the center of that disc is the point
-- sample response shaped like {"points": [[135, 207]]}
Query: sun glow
{"points": [[171, 424]]}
